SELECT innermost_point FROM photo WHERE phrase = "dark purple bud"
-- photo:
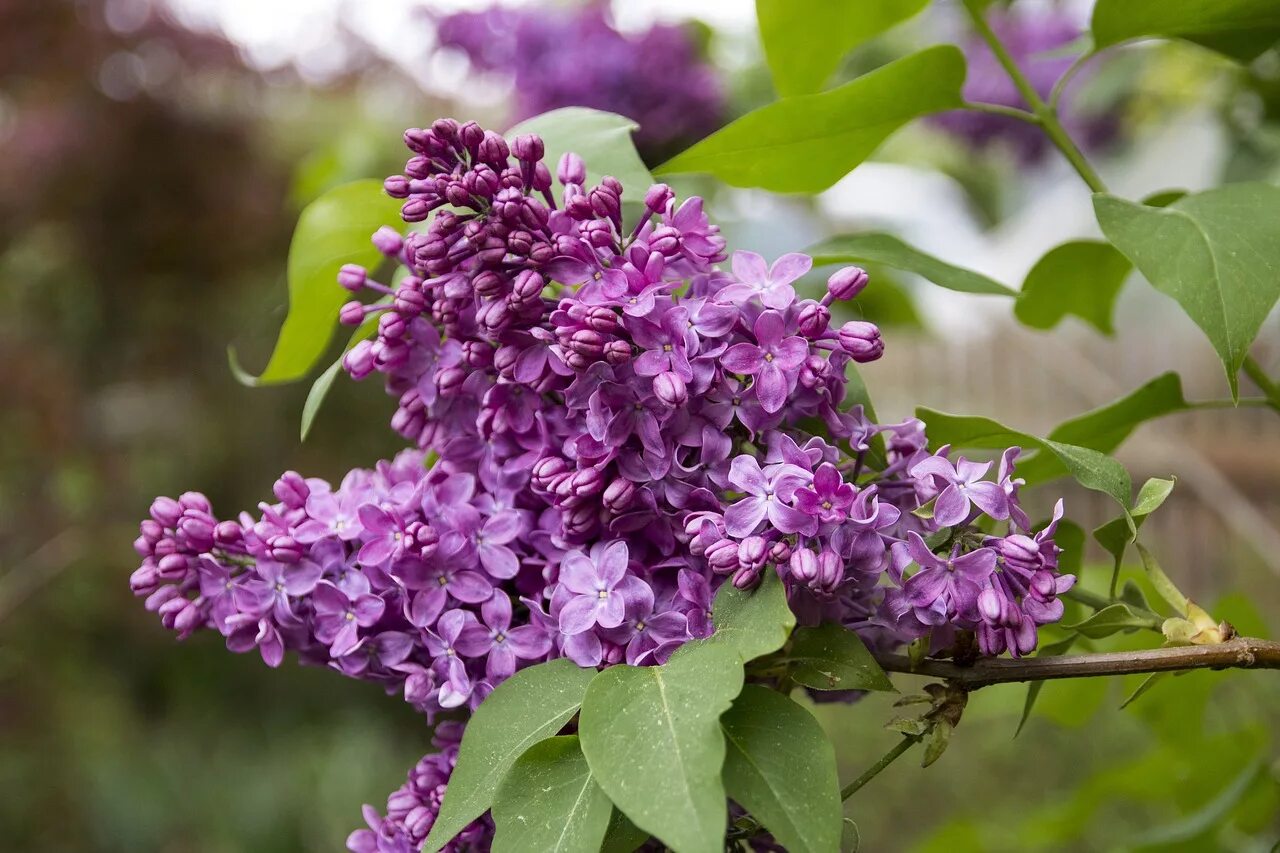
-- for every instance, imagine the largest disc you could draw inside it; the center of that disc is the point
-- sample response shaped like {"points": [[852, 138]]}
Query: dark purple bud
{"points": [[471, 135], [493, 150], [657, 197], [409, 300], [352, 313], [493, 315], [847, 283], [167, 511], [670, 389], [457, 195], [449, 380], [830, 573], [580, 521], [417, 139], [605, 203], [528, 285], [291, 489], [619, 495], [612, 184], [477, 354], [814, 318], [541, 177], [861, 340], [488, 284], [415, 210], [396, 186], [617, 352], [445, 128], [571, 169], [722, 556], [504, 358], [391, 325], [519, 242], [528, 147], [598, 233], [814, 370], [587, 343], [746, 578]]}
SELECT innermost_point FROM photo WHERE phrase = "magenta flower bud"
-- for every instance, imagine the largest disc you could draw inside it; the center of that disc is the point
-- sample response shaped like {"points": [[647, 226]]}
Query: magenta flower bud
{"points": [[665, 240], [804, 565], [752, 552], [994, 607], [814, 371], [780, 552], [528, 285], [598, 233], [196, 502], [619, 495], [198, 531], [471, 135], [657, 197], [477, 354], [493, 315], [449, 380], [571, 169], [548, 468], [351, 313], [814, 318], [1019, 551], [228, 534], [670, 389], [1044, 584], [388, 241], [528, 147], [456, 194], [151, 530], [493, 150], [420, 539], [612, 184], [587, 343], [580, 521], [722, 556], [504, 358], [417, 139], [291, 489], [172, 567], [746, 578], [605, 203], [359, 361], [396, 186], [188, 618], [587, 482], [861, 340], [541, 177], [830, 573], [391, 325], [445, 128], [617, 352], [143, 581], [488, 284], [284, 549], [846, 283], [167, 511]]}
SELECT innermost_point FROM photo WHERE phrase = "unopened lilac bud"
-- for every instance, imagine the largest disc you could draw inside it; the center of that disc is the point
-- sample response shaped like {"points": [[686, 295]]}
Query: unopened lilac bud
{"points": [[804, 565], [396, 186], [456, 194], [657, 197], [605, 203], [449, 380], [546, 469], [359, 361], [1019, 551], [780, 552], [617, 352], [746, 578], [409, 301], [588, 343], [571, 169], [612, 184], [846, 283], [528, 285], [167, 511], [487, 284], [388, 241], [188, 618], [284, 549], [228, 534], [351, 313], [528, 147], [752, 552], [477, 354], [415, 210], [830, 573], [722, 556], [198, 530], [619, 495], [471, 135], [143, 580], [493, 150], [445, 128], [420, 539], [670, 389], [814, 371], [391, 326], [861, 340], [291, 489], [665, 240], [814, 318], [541, 177], [585, 483], [172, 567]]}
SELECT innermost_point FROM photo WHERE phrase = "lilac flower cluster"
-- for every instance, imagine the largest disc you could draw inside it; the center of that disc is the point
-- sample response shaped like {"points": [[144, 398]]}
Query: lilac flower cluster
{"points": [[608, 426], [567, 56], [1036, 40]]}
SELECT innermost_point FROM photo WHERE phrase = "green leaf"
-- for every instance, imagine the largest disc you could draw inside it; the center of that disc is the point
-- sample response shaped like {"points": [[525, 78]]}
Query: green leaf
{"points": [[549, 802], [1105, 428], [334, 230], [807, 143], [1090, 468], [1147, 683], [936, 742], [1115, 535], [1082, 277], [1110, 619], [320, 388], [1033, 689], [623, 836], [528, 707], [1240, 29], [601, 139], [755, 622], [831, 657], [1211, 814], [804, 40], [879, 248], [781, 768], [1167, 589], [1217, 253], [652, 738]]}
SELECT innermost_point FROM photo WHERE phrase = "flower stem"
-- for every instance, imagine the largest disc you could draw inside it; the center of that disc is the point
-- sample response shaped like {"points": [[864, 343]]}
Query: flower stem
{"points": [[1238, 653], [1044, 114], [889, 757], [1264, 382]]}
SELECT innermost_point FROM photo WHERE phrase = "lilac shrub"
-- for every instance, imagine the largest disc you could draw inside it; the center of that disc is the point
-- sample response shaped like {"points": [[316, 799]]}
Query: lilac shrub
{"points": [[606, 426], [561, 57]]}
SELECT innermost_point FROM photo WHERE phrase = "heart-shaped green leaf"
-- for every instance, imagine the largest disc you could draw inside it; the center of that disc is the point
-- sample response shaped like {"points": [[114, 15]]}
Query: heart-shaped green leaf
{"points": [[781, 768], [807, 143], [831, 657], [528, 707], [548, 802], [755, 621], [1082, 277], [653, 741]]}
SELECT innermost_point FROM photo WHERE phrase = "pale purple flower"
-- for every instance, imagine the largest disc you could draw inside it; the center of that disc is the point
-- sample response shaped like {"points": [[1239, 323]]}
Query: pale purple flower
{"points": [[768, 497], [599, 586], [503, 644], [830, 497], [773, 359], [964, 489], [946, 588], [772, 285], [339, 617]]}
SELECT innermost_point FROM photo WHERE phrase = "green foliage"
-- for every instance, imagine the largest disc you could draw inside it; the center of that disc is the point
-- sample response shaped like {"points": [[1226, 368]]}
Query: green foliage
{"points": [[1240, 29], [320, 387], [653, 741], [623, 836], [1115, 535], [873, 247], [1082, 277], [807, 143], [1033, 689], [602, 139], [1090, 468], [1105, 428], [752, 622], [781, 768], [830, 657], [332, 231], [548, 802], [1166, 588], [1116, 617], [804, 40], [531, 705], [1217, 253]]}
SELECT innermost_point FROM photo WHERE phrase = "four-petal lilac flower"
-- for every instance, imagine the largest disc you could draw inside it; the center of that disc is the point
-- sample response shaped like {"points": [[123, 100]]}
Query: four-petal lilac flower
{"points": [[773, 359]]}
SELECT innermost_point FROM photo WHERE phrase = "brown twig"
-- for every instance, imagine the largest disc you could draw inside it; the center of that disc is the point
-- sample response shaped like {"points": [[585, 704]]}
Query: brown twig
{"points": [[1238, 653]]}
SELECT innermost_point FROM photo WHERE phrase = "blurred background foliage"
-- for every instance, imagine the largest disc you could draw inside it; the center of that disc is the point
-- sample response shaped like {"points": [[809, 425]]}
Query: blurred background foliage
{"points": [[152, 162]]}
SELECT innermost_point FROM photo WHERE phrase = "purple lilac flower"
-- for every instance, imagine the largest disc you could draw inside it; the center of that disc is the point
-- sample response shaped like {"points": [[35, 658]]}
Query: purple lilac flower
{"points": [[611, 438]]}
